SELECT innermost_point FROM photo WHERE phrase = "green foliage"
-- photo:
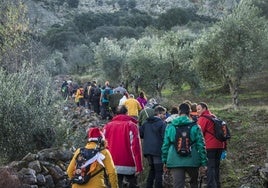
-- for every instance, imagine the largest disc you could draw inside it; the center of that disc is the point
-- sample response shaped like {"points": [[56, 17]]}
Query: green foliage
{"points": [[80, 59], [28, 116], [56, 64], [114, 32], [58, 37], [233, 48], [13, 29], [73, 3]]}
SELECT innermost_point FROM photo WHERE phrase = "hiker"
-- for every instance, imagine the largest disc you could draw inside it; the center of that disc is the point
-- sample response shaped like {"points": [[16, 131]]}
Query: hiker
{"points": [[104, 101], [120, 88], [148, 111], [123, 139], [123, 99], [142, 99], [103, 162], [87, 87], [177, 164], [214, 147], [94, 97], [152, 133], [174, 114], [133, 106], [64, 89], [114, 101], [79, 96]]}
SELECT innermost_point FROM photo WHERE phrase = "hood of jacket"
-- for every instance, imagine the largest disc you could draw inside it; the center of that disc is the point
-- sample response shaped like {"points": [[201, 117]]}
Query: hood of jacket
{"points": [[180, 121], [153, 119], [123, 117]]}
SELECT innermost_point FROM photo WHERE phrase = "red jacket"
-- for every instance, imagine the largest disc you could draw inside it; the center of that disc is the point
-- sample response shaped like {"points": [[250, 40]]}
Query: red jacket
{"points": [[122, 135], [207, 127]]}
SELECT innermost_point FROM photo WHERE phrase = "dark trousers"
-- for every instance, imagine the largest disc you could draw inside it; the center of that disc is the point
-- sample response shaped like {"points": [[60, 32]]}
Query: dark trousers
{"points": [[154, 178], [131, 180], [213, 172], [96, 106], [178, 175], [105, 110]]}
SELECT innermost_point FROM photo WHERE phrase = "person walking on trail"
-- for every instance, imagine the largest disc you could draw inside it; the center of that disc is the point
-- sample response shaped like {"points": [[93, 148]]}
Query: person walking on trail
{"points": [[94, 97], [114, 101], [133, 106], [148, 111], [103, 162], [104, 101], [79, 96], [152, 133], [124, 143], [177, 164], [142, 99], [214, 147]]}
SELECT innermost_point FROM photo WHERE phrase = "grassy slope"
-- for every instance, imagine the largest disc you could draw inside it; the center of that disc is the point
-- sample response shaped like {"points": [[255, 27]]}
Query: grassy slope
{"points": [[247, 150]]}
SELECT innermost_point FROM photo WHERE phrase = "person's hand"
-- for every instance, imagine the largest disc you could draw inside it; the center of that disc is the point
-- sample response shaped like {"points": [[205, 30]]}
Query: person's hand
{"points": [[165, 168], [137, 173], [203, 170]]}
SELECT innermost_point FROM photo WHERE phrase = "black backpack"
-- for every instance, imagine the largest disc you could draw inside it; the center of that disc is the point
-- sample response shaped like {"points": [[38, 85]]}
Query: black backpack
{"points": [[82, 175], [96, 92], [183, 143], [221, 130]]}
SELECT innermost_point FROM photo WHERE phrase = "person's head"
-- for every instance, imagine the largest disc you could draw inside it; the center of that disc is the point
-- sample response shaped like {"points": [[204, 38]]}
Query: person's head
{"points": [[201, 107], [188, 102], [152, 103], [94, 134], [174, 110], [142, 95], [107, 83], [121, 109], [184, 109], [160, 111], [131, 96], [193, 107]]}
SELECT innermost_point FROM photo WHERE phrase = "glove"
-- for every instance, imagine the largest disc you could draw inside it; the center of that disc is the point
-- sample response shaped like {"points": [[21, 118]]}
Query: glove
{"points": [[223, 154]]}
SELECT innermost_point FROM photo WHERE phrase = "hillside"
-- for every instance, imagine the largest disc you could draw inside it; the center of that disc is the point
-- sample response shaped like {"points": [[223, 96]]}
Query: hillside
{"points": [[46, 13]]}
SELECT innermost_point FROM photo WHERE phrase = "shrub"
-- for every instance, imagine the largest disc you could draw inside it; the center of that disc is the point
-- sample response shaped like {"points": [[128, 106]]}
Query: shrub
{"points": [[28, 117]]}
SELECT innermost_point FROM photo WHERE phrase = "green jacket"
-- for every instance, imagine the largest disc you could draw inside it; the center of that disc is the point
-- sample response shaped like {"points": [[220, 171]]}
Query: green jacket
{"points": [[169, 154]]}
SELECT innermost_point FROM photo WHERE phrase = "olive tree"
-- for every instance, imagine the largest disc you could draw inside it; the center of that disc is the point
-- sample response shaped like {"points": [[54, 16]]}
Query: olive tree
{"points": [[13, 30], [233, 48]]}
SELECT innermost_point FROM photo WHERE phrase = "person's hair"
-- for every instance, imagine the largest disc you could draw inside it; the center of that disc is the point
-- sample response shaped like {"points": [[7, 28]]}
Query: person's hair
{"points": [[193, 107], [159, 110], [184, 108], [174, 110], [203, 105], [121, 109], [142, 95], [187, 102]]}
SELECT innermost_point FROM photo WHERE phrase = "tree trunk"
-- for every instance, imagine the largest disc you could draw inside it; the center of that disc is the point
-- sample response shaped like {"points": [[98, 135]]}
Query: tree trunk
{"points": [[234, 93]]}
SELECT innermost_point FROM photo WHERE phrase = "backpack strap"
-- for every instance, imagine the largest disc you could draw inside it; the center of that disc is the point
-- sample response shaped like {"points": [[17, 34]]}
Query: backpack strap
{"points": [[209, 118]]}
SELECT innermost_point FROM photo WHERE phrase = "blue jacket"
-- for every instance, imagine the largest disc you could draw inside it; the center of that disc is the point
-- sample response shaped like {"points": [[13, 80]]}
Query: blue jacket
{"points": [[152, 132], [170, 156]]}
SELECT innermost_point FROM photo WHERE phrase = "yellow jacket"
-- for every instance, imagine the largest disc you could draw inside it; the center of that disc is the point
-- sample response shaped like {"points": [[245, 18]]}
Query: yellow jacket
{"points": [[98, 180], [133, 107]]}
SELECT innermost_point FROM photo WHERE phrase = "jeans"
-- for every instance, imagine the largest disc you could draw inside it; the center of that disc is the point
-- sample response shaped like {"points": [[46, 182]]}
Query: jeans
{"points": [[155, 172], [178, 175], [213, 172]]}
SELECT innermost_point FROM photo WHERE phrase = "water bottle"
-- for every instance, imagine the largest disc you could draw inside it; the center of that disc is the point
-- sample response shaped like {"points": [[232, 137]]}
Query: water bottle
{"points": [[223, 154]]}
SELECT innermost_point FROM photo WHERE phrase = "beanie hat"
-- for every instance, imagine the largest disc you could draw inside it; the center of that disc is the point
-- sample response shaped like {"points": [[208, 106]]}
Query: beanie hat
{"points": [[95, 134]]}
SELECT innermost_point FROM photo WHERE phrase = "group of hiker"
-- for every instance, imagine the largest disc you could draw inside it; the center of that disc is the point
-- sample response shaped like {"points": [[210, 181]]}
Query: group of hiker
{"points": [[177, 143]]}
